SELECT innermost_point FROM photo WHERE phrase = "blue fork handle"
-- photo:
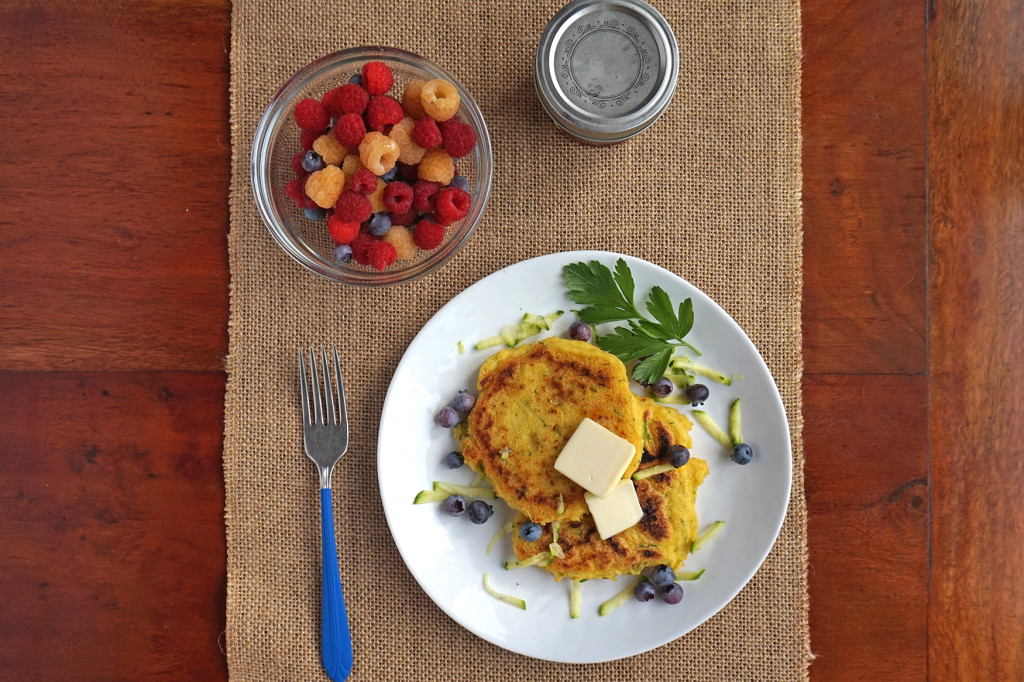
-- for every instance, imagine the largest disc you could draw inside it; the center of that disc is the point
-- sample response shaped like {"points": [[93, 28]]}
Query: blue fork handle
{"points": [[335, 640]]}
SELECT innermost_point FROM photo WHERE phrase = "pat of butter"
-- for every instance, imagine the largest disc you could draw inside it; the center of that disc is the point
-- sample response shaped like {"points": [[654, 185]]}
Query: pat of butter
{"points": [[595, 458], [616, 512]]}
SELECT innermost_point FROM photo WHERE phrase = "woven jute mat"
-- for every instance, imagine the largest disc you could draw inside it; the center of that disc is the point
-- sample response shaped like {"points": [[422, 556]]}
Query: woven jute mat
{"points": [[711, 192]]}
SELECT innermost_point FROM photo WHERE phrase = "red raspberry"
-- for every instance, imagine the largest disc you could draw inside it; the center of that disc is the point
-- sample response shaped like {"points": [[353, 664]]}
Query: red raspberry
{"points": [[308, 137], [364, 182], [296, 191], [404, 219], [459, 138], [309, 203], [381, 254], [398, 197], [424, 195], [311, 115], [341, 232], [348, 99], [353, 207], [426, 134], [297, 164], [383, 111], [428, 235], [361, 244], [350, 129], [452, 204], [377, 78], [407, 171]]}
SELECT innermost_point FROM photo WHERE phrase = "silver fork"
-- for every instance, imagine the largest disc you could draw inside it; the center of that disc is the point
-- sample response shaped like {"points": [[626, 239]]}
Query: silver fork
{"points": [[325, 436]]}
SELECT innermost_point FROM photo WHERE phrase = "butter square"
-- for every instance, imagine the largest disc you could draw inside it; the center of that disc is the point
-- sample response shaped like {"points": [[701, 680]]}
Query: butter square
{"points": [[595, 458], [616, 512]]}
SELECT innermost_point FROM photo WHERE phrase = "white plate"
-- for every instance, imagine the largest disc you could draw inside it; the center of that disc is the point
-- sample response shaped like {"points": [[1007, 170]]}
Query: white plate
{"points": [[446, 555]]}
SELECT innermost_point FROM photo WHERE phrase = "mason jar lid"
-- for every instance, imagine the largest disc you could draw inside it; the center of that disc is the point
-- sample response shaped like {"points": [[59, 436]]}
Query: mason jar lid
{"points": [[606, 69]]}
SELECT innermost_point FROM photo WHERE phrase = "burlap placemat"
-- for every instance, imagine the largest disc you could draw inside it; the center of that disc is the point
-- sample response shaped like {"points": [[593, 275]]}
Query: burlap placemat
{"points": [[711, 191]]}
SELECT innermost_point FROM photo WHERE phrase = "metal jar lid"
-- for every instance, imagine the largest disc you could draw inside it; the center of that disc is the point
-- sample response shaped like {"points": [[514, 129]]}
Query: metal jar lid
{"points": [[606, 69]]}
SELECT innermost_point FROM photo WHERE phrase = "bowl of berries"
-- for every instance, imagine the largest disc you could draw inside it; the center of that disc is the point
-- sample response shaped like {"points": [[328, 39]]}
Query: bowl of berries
{"points": [[372, 166]]}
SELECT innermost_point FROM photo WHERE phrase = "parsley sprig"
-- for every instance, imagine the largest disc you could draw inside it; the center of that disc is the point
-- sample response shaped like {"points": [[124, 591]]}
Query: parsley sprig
{"points": [[608, 297]]}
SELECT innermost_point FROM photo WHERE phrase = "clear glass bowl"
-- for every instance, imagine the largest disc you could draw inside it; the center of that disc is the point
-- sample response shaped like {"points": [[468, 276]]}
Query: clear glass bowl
{"points": [[277, 140]]}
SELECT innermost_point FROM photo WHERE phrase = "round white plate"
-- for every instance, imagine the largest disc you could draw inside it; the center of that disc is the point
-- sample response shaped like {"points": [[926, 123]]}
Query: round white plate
{"points": [[447, 555]]}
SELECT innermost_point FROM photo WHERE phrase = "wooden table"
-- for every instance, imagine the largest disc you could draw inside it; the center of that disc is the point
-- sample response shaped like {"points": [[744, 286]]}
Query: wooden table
{"points": [[114, 305]]}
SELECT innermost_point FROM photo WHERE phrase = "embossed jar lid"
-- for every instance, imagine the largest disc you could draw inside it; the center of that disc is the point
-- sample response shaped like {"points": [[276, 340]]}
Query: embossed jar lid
{"points": [[606, 69]]}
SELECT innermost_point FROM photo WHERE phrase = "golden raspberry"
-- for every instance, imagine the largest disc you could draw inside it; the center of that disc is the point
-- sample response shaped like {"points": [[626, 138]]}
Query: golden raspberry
{"points": [[401, 238], [440, 99], [378, 152], [377, 198], [436, 166], [330, 149], [408, 151], [324, 186], [411, 99], [350, 165]]}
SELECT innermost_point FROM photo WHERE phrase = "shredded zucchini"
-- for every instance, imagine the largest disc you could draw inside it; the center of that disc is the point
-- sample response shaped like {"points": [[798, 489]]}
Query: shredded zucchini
{"points": [[705, 420], [507, 528], [619, 599], [735, 425], [711, 532], [540, 558], [465, 490], [689, 575], [652, 471], [684, 363], [508, 599], [575, 598]]}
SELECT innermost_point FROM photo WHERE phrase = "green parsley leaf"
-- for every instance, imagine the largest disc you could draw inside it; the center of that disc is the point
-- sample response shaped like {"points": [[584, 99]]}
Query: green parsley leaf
{"points": [[608, 297]]}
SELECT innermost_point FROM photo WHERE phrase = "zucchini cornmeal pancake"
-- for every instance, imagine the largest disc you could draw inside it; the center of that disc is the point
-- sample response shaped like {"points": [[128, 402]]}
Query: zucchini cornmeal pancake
{"points": [[532, 398], [664, 533]]}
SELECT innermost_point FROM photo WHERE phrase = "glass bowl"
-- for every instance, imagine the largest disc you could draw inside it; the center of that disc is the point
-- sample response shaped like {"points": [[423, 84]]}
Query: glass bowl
{"points": [[277, 140]]}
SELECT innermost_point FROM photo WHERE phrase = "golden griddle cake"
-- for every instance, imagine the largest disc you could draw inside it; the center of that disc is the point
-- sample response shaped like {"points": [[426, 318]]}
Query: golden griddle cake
{"points": [[668, 526], [531, 399], [663, 535]]}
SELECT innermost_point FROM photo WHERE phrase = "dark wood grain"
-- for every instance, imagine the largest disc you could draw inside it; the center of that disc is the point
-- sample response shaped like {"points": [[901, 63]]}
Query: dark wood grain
{"points": [[116, 159], [864, 112], [976, 419], [866, 484], [864, 326], [111, 514]]}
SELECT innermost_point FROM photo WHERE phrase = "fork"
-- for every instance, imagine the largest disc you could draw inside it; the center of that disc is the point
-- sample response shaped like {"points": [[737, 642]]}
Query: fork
{"points": [[325, 437]]}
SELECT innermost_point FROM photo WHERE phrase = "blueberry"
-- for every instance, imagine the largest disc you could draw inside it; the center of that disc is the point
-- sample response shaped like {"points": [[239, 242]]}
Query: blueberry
{"points": [[530, 531], [463, 402], [391, 174], [672, 593], [447, 417], [460, 182], [580, 331], [316, 213], [644, 591], [661, 388], [312, 162], [697, 394], [453, 460], [380, 223], [742, 454], [356, 79], [480, 511], [663, 575], [454, 505], [678, 455], [343, 253]]}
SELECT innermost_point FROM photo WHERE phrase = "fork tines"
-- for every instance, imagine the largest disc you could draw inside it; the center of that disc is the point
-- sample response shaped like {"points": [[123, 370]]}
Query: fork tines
{"points": [[323, 396]]}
